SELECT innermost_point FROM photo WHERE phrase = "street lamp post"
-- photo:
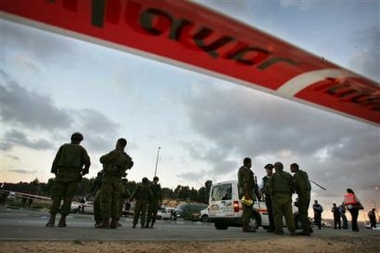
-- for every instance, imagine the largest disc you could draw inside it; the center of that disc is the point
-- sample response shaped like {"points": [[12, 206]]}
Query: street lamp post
{"points": [[158, 154]]}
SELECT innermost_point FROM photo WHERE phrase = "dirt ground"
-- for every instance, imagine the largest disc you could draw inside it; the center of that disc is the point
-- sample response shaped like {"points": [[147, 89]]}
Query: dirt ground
{"points": [[284, 245]]}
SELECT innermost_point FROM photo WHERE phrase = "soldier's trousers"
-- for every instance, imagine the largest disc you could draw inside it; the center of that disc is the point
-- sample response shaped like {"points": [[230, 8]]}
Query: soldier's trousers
{"points": [[141, 208], [247, 213], [65, 187], [109, 199], [97, 207], [152, 211], [303, 209], [282, 206]]}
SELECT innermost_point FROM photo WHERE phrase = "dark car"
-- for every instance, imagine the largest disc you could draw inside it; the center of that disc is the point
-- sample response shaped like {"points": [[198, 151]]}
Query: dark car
{"points": [[190, 211]]}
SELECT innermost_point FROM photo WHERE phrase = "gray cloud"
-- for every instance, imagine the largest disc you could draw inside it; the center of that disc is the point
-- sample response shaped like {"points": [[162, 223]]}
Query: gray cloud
{"points": [[28, 108], [100, 132], [234, 122], [367, 58], [38, 43], [21, 171], [15, 137]]}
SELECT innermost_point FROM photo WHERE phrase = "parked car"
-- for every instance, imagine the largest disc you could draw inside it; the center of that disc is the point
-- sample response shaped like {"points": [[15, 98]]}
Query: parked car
{"points": [[165, 213], [85, 208], [190, 211]]}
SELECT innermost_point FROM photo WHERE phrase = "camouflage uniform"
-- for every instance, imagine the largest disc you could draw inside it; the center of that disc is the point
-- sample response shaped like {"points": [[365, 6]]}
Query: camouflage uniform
{"points": [[268, 199], [124, 194], [142, 194], [281, 189], [70, 164], [246, 188], [155, 203], [97, 208], [302, 188], [115, 164]]}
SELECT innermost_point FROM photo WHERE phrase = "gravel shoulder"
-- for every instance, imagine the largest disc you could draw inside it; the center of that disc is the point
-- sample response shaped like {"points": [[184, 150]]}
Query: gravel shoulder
{"points": [[281, 244]]}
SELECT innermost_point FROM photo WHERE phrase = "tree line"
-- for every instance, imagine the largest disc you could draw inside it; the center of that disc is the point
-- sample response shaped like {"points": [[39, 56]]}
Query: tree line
{"points": [[87, 189]]}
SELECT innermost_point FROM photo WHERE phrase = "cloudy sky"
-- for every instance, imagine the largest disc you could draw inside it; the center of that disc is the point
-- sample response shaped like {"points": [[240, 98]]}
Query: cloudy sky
{"points": [[52, 86]]}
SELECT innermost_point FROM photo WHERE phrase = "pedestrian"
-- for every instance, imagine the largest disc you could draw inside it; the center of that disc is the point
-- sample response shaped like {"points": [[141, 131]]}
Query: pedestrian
{"points": [[265, 193], [318, 210], [154, 203], [246, 191], [372, 218], [342, 211], [302, 188], [142, 194], [353, 205], [336, 214], [115, 165], [281, 189], [70, 164]]}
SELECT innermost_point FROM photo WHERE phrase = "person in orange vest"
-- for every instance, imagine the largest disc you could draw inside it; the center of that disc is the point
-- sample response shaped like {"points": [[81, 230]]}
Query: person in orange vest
{"points": [[353, 206]]}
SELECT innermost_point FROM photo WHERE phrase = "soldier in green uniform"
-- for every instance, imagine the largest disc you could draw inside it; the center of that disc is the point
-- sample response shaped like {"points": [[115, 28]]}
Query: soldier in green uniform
{"points": [[97, 208], [268, 200], [246, 189], [302, 187], [281, 189], [155, 202], [70, 164], [124, 194], [142, 194], [115, 165]]}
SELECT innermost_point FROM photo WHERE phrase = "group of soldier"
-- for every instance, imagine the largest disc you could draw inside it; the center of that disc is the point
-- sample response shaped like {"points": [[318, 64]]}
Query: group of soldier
{"points": [[277, 189], [72, 162]]}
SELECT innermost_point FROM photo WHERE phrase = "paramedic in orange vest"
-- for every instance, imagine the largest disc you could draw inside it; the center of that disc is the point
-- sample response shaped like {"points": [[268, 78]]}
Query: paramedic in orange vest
{"points": [[352, 204]]}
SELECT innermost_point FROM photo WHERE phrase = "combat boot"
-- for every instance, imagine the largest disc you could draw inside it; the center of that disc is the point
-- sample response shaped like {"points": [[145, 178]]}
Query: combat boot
{"points": [[62, 221], [105, 224], [51, 221], [114, 224]]}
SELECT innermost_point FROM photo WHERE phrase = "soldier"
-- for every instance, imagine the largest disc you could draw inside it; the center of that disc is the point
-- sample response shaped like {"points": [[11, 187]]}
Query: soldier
{"points": [[318, 209], [155, 203], [115, 165], [70, 164], [142, 194], [246, 190], [268, 199], [124, 194], [302, 187], [281, 189], [97, 189]]}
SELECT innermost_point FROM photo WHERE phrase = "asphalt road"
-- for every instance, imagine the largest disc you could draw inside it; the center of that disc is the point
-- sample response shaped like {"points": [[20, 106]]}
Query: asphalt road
{"points": [[29, 225]]}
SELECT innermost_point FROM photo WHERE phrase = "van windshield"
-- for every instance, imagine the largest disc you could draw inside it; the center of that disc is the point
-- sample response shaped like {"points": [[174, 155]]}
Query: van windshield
{"points": [[221, 192]]}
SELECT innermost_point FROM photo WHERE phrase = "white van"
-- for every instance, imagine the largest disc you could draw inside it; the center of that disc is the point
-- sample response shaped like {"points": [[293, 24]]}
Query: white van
{"points": [[225, 208]]}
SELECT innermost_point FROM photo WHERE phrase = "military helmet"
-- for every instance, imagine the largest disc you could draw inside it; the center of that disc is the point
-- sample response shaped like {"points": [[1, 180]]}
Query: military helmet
{"points": [[77, 137]]}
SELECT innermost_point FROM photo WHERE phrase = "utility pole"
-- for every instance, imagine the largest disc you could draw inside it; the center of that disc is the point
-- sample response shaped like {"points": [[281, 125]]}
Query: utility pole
{"points": [[158, 154]]}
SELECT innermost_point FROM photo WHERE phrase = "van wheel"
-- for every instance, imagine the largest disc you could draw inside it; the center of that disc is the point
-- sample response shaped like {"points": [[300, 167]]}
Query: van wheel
{"points": [[220, 226], [204, 218]]}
